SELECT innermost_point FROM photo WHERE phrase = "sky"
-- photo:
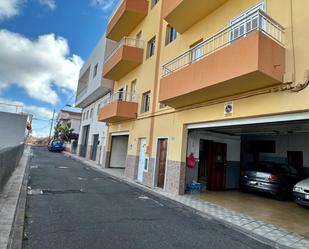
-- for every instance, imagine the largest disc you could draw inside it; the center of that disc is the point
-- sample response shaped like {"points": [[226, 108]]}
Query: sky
{"points": [[43, 45]]}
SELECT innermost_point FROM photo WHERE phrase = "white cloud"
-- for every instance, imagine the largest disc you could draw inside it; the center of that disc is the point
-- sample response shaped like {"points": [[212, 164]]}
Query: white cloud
{"points": [[49, 3], [38, 66], [105, 5], [9, 8], [17, 106]]}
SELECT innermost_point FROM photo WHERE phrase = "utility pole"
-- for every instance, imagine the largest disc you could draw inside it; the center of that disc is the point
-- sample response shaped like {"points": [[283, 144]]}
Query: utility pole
{"points": [[52, 124]]}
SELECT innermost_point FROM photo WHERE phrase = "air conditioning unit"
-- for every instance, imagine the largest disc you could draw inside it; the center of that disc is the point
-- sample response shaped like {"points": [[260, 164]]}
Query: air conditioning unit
{"points": [[228, 108]]}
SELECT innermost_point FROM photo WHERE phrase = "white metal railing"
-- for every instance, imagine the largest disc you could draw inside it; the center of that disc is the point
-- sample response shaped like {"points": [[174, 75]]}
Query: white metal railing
{"points": [[257, 20], [120, 96], [11, 107], [81, 94], [125, 41]]}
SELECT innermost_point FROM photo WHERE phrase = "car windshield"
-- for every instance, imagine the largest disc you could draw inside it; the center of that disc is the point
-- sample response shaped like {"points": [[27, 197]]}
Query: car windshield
{"points": [[57, 143], [271, 168]]}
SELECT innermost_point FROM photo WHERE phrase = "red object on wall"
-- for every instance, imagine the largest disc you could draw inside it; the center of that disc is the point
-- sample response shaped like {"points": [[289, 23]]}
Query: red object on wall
{"points": [[191, 161]]}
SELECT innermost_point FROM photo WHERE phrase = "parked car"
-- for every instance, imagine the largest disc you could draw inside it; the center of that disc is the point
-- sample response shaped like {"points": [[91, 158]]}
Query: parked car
{"points": [[273, 178], [301, 193], [56, 146]]}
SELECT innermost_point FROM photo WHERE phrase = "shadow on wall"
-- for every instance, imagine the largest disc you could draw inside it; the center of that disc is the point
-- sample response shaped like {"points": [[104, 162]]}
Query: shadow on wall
{"points": [[9, 159]]}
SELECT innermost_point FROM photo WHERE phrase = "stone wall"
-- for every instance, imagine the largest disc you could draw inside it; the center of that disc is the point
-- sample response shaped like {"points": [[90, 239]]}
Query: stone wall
{"points": [[175, 177], [131, 167]]}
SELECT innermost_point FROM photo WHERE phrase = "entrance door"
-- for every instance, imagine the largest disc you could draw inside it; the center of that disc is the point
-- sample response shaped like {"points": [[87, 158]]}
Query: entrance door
{"points": [[212, 165], [142, 160], [94, 147], [119, 151], [296, 160], [83, 149], [161, 161]]}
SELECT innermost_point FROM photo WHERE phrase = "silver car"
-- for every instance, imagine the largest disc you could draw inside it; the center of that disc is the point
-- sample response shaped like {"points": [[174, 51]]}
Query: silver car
{"points": [[301, 193]]}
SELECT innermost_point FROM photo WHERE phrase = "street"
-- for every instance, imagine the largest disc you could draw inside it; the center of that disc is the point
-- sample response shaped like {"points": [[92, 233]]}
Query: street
{"points": [[73, 206]]}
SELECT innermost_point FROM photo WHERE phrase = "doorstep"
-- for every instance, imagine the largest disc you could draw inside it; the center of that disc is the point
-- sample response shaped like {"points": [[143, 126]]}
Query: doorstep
{"points": [[276, 236]]}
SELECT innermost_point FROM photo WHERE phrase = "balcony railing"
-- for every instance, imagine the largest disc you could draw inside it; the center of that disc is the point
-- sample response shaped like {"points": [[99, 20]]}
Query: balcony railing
{"points": [[256, 21], [120, 96], [81, 94], [125, 41]]}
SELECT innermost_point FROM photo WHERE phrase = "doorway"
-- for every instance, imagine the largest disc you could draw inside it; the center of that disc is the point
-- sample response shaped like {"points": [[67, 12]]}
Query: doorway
{"points": [[212, 164], [142, 160], [94, 147], [161, 161], [84, 144], [296, 160]]}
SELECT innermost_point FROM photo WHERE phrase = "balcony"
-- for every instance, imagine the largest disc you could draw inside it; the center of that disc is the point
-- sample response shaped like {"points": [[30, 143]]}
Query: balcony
{"points": [[126, 56], [245, 56], [174, 12], [119, 107], [125, 18]]}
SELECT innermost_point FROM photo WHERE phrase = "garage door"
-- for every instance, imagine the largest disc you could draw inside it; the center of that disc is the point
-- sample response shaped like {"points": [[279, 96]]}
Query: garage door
{"points": [[119, 151]]}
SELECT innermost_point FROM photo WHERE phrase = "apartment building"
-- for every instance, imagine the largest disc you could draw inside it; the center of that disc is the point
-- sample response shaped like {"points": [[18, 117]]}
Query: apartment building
{"points": [[208, 78], [71, 119], [92, 91]]}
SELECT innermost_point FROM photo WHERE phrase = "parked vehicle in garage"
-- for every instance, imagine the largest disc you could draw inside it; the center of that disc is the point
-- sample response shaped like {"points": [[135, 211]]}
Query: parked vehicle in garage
{"points": [[301, 193], [56, 146], [273, 178]]}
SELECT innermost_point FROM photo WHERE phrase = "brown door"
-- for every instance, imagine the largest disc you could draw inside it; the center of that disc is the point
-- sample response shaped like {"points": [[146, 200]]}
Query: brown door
{"points": [[295, 159], [204, 160], [161, 159], [216, 171]]}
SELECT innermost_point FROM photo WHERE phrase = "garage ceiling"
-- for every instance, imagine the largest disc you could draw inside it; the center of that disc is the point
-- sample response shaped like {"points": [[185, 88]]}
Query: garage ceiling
{"points": [[282, 128]]}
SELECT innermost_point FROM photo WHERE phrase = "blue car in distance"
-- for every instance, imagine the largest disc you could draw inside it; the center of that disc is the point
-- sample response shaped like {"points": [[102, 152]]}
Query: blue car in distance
{"points": [[56, 146]]}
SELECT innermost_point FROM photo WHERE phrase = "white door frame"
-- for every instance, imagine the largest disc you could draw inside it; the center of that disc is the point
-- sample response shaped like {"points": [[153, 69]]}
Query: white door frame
{"points": [[155, 172]]}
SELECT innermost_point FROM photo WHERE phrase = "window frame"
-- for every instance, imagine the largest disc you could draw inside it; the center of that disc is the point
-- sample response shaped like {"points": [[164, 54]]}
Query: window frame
{"points": [[171, 34], [151, 47], [95, 70], [146, 102]]}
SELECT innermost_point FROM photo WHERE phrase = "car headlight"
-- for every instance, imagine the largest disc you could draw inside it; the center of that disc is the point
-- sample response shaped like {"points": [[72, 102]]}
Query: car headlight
{"points": [[298, 189]]}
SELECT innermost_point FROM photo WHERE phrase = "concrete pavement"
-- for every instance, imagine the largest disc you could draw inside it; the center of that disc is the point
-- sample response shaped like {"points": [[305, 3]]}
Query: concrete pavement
{"points": [[72, 206]]}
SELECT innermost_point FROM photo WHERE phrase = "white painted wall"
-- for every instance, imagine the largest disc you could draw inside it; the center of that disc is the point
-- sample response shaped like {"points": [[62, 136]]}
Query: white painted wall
{"points": [[97, 86], [233, 154], [285, 143], [12, 129], [96, 127]]}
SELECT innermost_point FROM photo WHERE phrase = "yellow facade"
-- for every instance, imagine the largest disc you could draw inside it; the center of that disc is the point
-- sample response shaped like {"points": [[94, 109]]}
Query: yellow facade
{"points": [[170, 123]]}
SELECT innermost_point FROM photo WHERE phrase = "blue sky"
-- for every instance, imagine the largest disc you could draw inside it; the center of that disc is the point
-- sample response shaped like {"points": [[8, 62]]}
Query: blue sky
{"points": [[43, 46]]}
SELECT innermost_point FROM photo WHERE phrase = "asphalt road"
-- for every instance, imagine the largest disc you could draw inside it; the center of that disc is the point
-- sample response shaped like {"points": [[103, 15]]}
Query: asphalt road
{"points": [[72, 206]]}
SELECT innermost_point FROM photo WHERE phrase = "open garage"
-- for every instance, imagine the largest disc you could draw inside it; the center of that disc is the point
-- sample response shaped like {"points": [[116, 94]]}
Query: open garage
{"points": [[226, 151]]}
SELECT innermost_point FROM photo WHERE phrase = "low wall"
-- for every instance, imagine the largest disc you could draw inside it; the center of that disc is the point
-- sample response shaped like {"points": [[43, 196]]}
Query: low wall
{"points": [[9, 159]]}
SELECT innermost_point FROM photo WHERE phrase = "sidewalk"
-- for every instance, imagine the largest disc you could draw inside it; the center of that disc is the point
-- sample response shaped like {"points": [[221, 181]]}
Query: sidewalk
{"points": [[12, 205], [275, 236]]}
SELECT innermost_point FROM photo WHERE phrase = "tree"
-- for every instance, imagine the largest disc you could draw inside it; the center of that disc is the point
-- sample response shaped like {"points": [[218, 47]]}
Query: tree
{"points": [[63, 132]]}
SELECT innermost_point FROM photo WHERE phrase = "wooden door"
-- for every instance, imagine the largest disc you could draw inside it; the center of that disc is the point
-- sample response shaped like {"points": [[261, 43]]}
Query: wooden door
{"points": [[204, 160], [296, 160], [216, 173], [161, 159]]}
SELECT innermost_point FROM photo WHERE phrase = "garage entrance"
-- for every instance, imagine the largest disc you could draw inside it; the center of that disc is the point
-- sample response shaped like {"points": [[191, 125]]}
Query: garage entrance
{"points": [[119, 149], [226, 150], [223, 153]]}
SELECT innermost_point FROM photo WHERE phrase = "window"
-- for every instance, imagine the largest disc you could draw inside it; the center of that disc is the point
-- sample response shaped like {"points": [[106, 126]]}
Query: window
{"points": [[154, 2], [69, 125], [91, 112], [95, 70], [87, 115], [197, 51], [84, 115], [151, 47], [133, 90], [146, 102], [171, 34]]}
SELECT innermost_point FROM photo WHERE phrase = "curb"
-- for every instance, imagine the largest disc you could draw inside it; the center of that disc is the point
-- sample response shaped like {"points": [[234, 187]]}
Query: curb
{"points": [[17, 231], [127, 181]]}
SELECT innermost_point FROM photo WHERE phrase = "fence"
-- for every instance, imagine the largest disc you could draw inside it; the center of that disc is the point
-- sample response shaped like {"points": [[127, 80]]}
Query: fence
{"points": [[257, 20], [9, 159]]}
